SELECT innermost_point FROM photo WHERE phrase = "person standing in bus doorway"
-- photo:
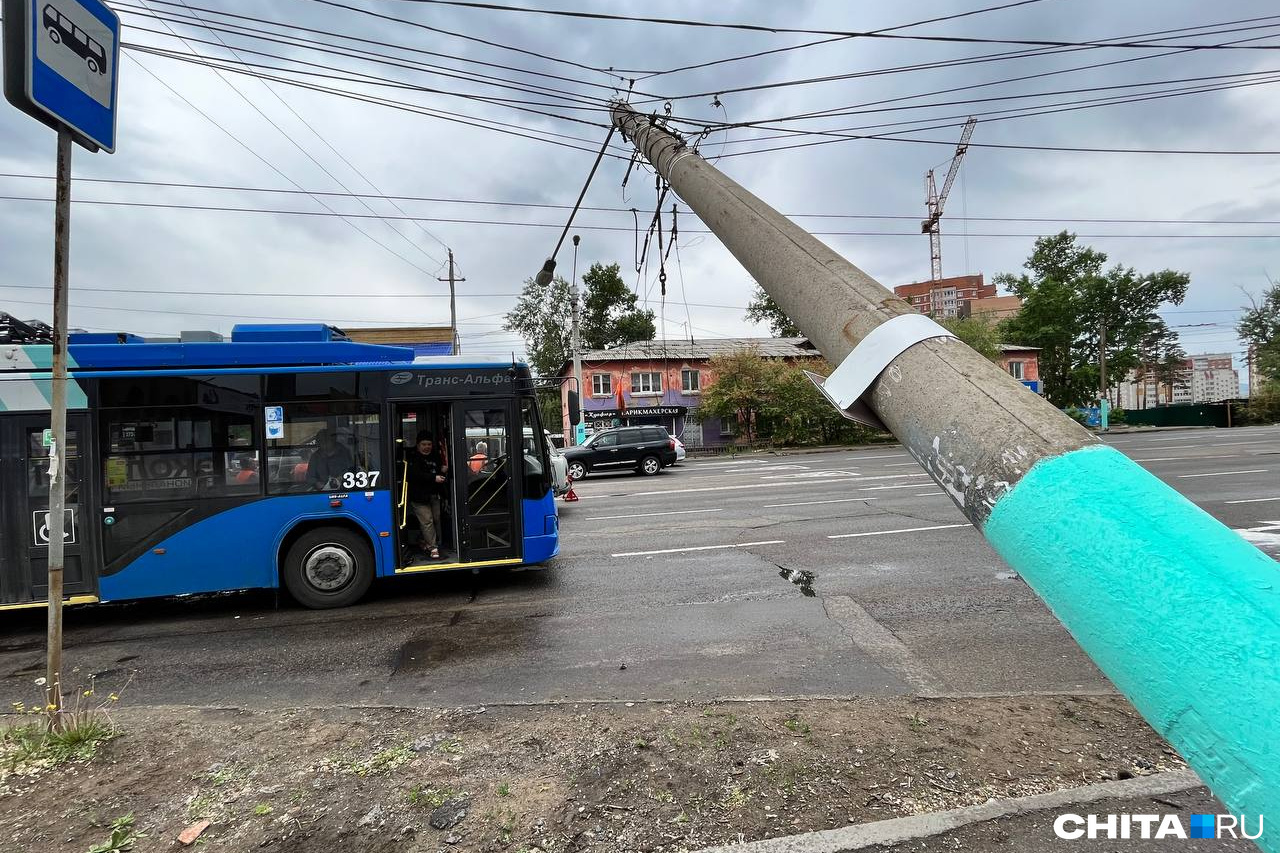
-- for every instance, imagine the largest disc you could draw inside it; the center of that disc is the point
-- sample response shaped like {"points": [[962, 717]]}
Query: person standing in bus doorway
{"points": [[427, 474]]}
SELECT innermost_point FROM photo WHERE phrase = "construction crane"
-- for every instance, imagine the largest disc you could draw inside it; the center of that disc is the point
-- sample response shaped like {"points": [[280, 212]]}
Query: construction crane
{"points": [[934, 200]]}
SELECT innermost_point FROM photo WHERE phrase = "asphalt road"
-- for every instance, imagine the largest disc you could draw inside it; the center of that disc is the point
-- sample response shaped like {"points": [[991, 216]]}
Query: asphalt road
{"points": [[825, 574]]}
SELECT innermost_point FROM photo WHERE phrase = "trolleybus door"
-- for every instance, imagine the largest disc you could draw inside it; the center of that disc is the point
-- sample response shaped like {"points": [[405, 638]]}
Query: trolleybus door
{"points": [[487, 506], [24, 492]]}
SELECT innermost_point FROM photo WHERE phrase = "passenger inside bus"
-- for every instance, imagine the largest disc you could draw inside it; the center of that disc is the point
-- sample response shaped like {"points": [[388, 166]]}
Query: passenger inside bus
{"points": [[424, 485], [328, 462]]}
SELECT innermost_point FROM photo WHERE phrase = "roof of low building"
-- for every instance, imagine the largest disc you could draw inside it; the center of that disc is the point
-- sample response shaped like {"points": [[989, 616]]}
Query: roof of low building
{"points": [[1016, 348], [703, 349]]}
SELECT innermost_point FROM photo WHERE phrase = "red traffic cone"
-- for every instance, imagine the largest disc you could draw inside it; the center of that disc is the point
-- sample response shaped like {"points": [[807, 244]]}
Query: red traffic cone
{"points": [[570, 495]]}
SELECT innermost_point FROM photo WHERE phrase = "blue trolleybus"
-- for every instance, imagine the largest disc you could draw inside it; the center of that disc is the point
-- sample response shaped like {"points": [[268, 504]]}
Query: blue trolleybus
{"points": [[275, 458]]}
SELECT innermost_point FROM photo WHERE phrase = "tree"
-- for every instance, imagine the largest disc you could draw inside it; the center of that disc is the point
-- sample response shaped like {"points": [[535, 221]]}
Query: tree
{"points": [[1070, 300], [542, 317], [1260, 326], [609, 313], [744, 382], [762, 309], [775, 400], [979, 334]]}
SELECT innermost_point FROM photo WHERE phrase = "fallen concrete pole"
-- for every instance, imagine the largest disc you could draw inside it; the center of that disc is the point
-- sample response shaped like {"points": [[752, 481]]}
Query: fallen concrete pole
{"points": [[1179, 612]]}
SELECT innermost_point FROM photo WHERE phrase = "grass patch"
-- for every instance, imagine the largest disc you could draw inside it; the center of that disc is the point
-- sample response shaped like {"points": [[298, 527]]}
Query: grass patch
{"points": [[385, 761], [797, 726], [122, 838], [31, 747], [434, 797]]}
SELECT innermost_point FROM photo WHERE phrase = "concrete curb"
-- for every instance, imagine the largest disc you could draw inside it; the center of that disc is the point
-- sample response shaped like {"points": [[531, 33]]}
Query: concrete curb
{"points": [[897, 830]]}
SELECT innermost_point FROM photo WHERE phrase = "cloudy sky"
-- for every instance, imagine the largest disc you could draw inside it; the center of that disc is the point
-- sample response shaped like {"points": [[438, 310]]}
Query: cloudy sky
{"points": [[503, 111]]}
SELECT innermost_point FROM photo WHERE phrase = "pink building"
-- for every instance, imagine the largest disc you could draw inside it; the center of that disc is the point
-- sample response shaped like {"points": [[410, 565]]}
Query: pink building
{"points": [[661, 383]]}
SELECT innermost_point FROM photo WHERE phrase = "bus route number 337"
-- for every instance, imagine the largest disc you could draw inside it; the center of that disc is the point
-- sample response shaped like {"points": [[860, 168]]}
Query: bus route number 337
{"points": [[360, 479]]}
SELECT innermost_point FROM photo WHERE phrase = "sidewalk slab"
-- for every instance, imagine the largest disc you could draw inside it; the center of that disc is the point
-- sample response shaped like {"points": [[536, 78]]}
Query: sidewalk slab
{"points": [[1022, 824]]}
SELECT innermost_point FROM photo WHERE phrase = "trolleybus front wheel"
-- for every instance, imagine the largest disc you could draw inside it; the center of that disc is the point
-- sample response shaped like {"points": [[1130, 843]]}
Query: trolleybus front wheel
{"points": [[328, 567]]}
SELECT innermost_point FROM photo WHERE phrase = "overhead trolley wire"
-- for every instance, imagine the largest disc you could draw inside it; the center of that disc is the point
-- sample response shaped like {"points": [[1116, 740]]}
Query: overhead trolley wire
{"points": [[371, 57], [507, 128], [764, 28], [906, 217], [982, 59], [958, 120], [275, 27], [497, 45], [823, 41], [618, 228], [298, 145], [241, 143]]}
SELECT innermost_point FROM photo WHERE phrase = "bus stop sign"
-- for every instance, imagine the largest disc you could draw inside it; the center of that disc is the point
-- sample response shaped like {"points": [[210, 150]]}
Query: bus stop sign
{"points": [[60, 64]]}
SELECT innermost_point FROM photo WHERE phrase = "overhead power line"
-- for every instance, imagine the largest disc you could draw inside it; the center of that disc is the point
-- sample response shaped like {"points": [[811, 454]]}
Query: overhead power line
{"points": [[271, 166], [627, 229], [496, 45], [273, 30], [507, 128], [906, 217], [765, 28], [306, 153], [793, 47], [367, 56]]}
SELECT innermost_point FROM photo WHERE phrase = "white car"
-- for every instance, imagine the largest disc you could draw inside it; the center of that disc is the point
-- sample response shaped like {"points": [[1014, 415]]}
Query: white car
{"points": [[680, 454], [559, 469]]}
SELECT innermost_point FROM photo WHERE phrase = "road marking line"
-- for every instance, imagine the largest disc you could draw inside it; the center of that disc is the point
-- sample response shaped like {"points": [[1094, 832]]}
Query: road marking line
{"points": [[697, 548], [810, 503], [902, 486], [925, 495], [899, 464], [905, 530], [1252, 501], [648, 514], [1224, 473], [1190, 458], [773, 484]]}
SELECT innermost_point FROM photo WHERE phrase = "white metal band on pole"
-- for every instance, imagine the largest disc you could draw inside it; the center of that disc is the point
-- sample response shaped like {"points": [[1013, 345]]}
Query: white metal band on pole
{"points": [[848, 383]]}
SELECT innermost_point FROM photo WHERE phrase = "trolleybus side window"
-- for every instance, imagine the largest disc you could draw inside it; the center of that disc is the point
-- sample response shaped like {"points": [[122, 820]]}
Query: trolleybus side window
{"points": [[327, 446], [177, 453]]}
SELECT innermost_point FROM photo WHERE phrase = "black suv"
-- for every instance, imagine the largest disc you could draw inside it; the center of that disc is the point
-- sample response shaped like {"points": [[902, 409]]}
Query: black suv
{"points": [[648, 449]]}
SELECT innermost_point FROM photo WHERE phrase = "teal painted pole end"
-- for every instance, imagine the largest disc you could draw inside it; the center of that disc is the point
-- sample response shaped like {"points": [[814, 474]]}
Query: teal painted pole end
{"points": [[1179, 611]]}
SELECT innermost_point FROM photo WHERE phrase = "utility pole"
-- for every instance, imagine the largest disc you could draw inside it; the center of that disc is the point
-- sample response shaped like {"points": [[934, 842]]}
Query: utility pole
{"points": [[58, 422], [1103, 402], [1045, 493], [574, 339], [453, 304]]}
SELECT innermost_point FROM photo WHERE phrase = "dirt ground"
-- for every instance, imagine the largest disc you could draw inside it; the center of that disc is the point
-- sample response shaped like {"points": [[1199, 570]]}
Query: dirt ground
{"points": [[626, 777]]}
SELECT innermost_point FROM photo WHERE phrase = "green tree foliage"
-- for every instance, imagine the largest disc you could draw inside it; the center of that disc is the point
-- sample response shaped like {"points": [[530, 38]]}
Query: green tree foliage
{"points": [[775, 401], [1069, 296], [744, 383], [762, 309], [979, 334], [609, 313], [1260, 326], [542, 316]]}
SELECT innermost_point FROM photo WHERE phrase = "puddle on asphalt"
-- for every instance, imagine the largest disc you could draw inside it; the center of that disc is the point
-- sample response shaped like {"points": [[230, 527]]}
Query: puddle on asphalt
{"points": [[800, 578], [465, 638]]}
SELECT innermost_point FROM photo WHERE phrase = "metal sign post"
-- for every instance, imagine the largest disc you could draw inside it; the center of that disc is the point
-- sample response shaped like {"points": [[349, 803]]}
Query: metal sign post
{"points": [[60, 62]]}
